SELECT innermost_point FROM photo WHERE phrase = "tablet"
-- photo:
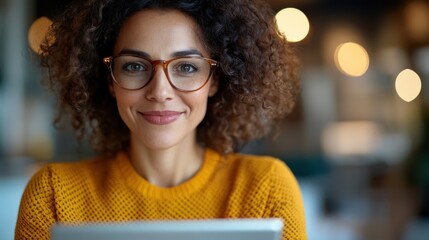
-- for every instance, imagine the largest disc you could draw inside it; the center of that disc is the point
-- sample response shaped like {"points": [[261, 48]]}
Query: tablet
{"points": [[211, 229]]}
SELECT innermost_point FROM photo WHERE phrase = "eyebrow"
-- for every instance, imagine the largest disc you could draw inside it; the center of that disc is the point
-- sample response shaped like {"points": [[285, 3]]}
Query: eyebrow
{"points": [[134, 52], [175, 54], [187, 53]]}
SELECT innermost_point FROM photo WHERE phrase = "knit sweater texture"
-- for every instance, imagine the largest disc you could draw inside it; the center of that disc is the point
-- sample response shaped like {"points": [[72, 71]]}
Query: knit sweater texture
{"points": [[110, 190]]}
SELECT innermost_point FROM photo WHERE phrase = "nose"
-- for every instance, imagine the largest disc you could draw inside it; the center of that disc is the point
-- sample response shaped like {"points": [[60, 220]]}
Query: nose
{"points": [[159, 88]]}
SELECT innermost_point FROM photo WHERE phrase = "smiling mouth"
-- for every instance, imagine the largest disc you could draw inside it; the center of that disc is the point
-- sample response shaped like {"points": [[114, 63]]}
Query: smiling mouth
{"points": [[160, 117]]}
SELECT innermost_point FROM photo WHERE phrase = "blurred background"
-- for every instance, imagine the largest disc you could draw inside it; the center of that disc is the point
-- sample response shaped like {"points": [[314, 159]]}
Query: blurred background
{"points": [[357, 139]]}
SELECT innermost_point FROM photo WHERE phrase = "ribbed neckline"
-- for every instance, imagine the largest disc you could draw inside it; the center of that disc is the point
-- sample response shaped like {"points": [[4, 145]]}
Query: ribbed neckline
{"points": [[127, 173]]}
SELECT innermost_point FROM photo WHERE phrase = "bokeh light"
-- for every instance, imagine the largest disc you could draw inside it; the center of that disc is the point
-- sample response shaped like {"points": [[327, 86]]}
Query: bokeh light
{"points": [[293, 24], [350, 138], [352, 59], [408, 85], [37, 33]]}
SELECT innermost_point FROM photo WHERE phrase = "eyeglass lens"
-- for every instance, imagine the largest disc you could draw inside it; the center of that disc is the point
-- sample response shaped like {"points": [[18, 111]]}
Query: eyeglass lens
{"points": [[188, 73]]}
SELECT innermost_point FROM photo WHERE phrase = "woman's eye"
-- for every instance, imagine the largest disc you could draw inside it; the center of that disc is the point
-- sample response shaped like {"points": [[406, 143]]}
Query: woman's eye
{"points": [[134, 67], [187, 68]]}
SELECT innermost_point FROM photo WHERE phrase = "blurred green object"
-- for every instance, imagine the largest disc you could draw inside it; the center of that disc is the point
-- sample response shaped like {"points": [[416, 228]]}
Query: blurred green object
{"points": [[310, 165], [418, 167]]}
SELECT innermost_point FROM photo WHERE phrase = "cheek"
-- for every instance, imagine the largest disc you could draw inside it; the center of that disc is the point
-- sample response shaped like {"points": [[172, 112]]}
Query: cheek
{"points": [[125, 101], [197, 102]]}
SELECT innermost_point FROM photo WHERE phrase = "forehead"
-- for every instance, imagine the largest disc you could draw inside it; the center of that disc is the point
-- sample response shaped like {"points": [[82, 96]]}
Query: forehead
{"points": [[159, 32]]}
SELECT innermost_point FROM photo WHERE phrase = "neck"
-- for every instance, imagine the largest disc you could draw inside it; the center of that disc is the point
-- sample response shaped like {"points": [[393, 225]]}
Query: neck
{"points": [[167, 167]]}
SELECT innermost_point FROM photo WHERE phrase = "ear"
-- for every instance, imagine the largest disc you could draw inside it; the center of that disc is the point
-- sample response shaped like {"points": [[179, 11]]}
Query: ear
{"points": [[213, 87]]}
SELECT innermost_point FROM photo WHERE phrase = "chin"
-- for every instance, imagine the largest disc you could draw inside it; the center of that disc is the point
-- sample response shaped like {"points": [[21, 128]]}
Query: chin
{"points": [[163, 140]]}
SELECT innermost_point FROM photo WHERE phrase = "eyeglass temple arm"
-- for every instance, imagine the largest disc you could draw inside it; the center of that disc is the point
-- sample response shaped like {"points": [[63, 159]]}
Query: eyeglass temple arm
{"points": [[107, 60]]}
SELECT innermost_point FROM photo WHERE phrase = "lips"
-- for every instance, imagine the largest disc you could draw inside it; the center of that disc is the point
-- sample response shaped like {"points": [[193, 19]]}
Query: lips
{"points": [[160, 117]]}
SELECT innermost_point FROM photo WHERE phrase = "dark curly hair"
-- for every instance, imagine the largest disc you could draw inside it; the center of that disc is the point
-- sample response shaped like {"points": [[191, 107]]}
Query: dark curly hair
{"points": [[257, 78]]}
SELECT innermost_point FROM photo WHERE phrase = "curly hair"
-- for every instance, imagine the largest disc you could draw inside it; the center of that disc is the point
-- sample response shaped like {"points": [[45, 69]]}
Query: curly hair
{"points": [[257, 77]]}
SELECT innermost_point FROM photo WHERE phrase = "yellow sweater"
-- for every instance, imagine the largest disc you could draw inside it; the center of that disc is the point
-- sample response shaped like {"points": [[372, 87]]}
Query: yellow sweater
{"points": [[106, 190]]}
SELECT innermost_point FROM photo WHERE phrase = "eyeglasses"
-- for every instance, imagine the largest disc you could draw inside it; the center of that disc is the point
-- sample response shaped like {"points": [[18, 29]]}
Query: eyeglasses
{"points": [[186, 74]]}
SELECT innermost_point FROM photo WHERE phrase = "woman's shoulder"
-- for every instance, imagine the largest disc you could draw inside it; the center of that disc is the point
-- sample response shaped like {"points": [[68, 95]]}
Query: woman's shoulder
{"points": [[85, 168], [81, 165], [256, 162], [259, 166]]}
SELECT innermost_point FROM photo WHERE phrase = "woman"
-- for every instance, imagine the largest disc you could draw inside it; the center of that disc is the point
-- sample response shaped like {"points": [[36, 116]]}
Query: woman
{"points": [[167, 91]]}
